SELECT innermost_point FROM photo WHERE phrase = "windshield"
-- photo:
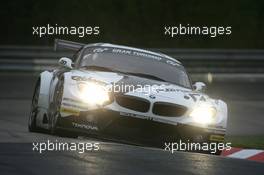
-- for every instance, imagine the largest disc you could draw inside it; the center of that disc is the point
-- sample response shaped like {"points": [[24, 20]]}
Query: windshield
{"points": [[135, 62]]}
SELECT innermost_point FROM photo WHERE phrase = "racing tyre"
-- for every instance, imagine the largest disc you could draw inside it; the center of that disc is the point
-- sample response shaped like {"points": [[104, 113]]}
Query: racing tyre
{"points": [[54, 128], [32, 127]]}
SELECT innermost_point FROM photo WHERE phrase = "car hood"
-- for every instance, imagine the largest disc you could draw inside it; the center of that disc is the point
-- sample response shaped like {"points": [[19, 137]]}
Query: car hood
{"points": [[149, 89]]}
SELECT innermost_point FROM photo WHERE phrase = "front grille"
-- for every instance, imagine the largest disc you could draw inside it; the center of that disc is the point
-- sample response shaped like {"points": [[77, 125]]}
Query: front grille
{"points": [[168, 109], [133, 103]]}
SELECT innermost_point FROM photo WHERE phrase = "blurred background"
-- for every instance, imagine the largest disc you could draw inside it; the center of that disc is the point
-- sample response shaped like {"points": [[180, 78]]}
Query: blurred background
{"points": [[135, 22], [231, 65]]}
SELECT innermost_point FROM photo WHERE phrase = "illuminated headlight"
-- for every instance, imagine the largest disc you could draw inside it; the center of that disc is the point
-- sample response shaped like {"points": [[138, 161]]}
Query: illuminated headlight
{"points": [[93, 93], [203, 114]]}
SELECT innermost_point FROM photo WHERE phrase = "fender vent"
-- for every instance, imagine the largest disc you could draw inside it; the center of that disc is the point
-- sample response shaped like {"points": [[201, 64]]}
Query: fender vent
{"points": [[168, 109], [133, 103]]}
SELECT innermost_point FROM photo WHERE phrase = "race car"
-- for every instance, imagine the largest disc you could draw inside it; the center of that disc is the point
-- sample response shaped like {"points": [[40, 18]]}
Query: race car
{"points": [[127, 93]]}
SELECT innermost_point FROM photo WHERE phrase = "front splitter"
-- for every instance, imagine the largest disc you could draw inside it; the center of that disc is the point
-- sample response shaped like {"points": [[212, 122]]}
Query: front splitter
{"points": [[110, 124]]}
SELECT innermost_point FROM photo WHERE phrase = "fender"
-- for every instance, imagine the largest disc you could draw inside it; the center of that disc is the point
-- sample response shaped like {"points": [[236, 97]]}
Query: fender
{"points": [[43, 102], [223, 111], [45, 80]]}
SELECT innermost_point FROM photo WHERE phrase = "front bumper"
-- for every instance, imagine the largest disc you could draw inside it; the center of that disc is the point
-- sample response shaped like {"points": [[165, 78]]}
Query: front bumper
{"points": [[112, 125]]}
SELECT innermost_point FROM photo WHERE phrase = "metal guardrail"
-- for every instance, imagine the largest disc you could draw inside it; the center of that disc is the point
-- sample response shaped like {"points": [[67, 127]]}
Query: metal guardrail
{"points": [[16, 58]]}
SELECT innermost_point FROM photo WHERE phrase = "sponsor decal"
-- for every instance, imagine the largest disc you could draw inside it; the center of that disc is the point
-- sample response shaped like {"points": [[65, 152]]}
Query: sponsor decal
{"points": [[85, 126], [69, 110], [147, 118], [133, 115], [165, 89], [136, 53], [90, 79], [99, 50], [217, 138]]}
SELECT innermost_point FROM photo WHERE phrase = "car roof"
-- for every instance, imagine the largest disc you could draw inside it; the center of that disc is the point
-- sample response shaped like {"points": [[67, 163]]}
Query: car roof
{"points": [[132, 48]]}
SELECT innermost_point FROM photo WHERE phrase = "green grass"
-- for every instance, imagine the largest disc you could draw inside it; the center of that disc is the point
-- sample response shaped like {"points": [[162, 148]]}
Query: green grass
{"points": [[253, 142]]}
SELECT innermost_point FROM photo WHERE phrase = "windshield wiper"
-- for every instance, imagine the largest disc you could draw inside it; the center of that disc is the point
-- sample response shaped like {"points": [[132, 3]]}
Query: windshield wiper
{"points": [[99, 68], [153, 77]]}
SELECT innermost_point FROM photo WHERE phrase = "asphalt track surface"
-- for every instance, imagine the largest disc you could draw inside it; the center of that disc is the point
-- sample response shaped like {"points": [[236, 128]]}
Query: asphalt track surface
{"points": [[17, 157]]}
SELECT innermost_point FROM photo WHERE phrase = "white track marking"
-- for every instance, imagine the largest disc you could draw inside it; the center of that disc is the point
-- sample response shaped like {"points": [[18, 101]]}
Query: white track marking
{"points": [[246, 153]]}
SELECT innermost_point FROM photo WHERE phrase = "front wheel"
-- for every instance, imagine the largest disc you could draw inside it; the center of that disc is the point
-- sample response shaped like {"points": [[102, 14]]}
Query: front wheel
{"points": [[55, 114], [32, 126]]}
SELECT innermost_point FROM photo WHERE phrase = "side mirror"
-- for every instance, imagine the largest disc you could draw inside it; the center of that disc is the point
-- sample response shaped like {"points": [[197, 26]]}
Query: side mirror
{"points": [[65, 62], [199, 86]]}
